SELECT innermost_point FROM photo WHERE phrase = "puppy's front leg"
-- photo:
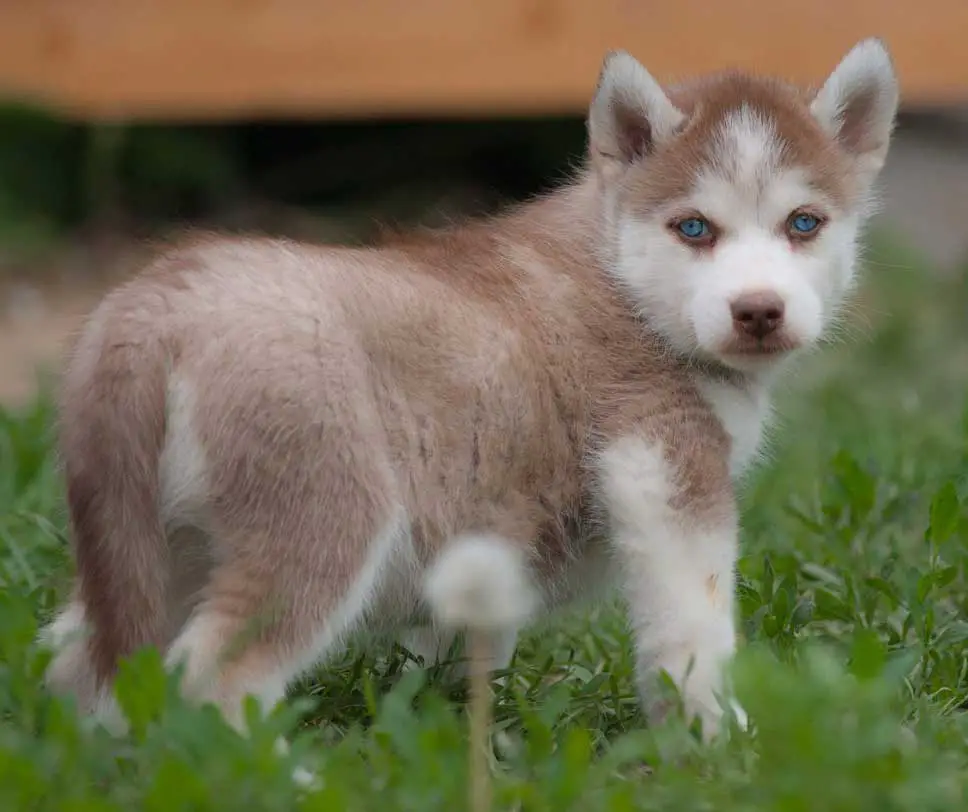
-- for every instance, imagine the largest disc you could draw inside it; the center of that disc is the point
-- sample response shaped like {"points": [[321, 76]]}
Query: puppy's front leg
{"points": [[673, 521]]}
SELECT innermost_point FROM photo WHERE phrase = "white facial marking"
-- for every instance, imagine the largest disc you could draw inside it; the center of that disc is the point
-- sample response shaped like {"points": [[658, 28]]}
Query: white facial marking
{"points": [[747, 149], [747, 195]]}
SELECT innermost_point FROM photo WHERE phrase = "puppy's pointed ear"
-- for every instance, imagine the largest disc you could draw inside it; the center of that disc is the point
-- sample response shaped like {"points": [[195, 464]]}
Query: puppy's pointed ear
{"points": [[630, 114], [858, 104]]}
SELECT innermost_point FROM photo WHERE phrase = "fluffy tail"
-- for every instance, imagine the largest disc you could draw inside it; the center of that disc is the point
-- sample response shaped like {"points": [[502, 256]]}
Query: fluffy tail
{"points": [[480, 583], [111, 435]]}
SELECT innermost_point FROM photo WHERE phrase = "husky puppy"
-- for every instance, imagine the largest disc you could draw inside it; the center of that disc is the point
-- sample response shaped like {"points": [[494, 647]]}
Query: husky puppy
{"points": [[268, 444]]}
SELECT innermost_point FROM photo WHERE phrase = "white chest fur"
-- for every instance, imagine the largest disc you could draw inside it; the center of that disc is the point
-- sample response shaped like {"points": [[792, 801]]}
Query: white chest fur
{"points": [[744, 414]]}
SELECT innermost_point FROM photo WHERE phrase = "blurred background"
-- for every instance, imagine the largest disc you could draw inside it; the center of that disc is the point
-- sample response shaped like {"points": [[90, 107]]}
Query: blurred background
{"points": [[121, 122]]}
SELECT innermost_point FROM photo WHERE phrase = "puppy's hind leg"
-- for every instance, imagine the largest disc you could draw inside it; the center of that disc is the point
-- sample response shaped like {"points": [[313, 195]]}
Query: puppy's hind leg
{"points": [[256, 630], [304, 517]]}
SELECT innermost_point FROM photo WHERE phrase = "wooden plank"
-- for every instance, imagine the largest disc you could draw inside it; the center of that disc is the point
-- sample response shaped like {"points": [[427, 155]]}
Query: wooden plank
{"points": [[210, 59]]}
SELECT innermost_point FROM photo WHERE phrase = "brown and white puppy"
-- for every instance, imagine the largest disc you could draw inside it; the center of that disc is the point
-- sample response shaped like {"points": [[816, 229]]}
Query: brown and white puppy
{"points": [[268, 444]]}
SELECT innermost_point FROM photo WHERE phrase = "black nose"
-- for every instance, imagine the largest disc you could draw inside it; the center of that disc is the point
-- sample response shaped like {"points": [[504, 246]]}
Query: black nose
{"points": [[757, 314]]}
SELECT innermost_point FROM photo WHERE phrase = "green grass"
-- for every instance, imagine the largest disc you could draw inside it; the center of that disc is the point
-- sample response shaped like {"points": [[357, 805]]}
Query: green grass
{"points": [[854, 668]]}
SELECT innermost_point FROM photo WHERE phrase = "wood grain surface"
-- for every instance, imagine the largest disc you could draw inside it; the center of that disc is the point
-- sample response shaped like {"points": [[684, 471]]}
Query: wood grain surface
{"points": [[212, 59]]}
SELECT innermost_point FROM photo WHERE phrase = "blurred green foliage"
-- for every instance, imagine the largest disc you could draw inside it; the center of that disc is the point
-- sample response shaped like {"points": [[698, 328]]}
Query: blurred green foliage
{"points": [[57, 176]]}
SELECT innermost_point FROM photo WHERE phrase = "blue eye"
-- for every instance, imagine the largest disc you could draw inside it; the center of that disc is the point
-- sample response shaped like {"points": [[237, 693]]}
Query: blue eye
{"points": [[693, 228], [805, 223]]}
